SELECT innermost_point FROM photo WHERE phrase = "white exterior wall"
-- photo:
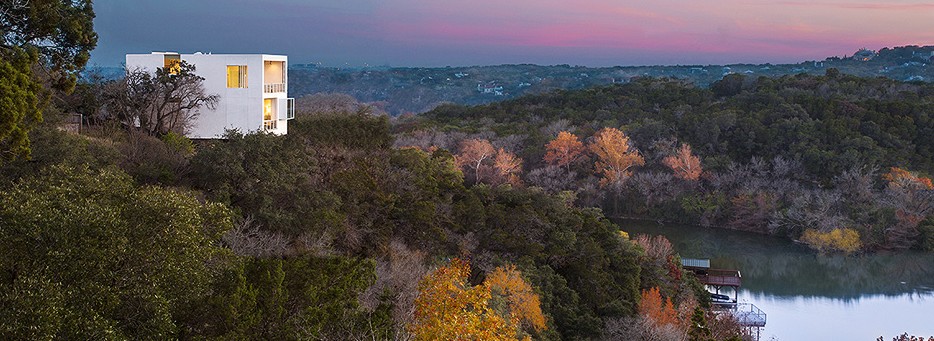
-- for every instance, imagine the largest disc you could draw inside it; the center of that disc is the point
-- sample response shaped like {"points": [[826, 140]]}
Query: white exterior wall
{"points": [[237, 108]]}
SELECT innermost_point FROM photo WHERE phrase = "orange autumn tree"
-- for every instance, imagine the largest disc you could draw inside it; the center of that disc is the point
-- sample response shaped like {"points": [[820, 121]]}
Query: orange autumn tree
{"points": [[564, 150], [652, 307], [507, 166], [449, 308], [685, 165], [905, 179], [615, 157]]}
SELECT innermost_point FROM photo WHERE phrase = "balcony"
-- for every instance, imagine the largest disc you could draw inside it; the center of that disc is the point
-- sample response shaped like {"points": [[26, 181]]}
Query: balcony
{"points": [[271, 88], [269, 125]]}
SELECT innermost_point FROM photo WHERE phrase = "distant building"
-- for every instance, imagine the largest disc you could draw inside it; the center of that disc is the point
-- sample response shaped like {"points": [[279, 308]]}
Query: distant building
{"points": [[864, 55], [490, 88], [252, 89]]}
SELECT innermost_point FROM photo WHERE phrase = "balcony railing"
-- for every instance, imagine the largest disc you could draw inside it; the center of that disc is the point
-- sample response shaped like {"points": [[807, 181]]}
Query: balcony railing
{"points": [[273, 88], [269, 124]]}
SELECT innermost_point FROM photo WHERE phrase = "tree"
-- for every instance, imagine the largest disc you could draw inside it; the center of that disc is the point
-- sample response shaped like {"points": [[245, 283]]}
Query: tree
{"points": [[685, 165], [661, 312], [473, 153], [838, 239], [507, 166], [60, 33], [88, 255], [912, 198], [449, 308], [524, 306], [563, 150], [162, 103], [54, 35], [21, 103], [615, 157]]}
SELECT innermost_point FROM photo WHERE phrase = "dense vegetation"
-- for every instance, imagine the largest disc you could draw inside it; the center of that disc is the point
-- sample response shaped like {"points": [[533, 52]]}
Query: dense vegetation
{"points": [[322, 233], [815, 158]]}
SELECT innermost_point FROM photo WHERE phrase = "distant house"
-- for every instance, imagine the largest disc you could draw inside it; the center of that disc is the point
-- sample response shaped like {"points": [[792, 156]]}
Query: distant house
{"points": [[490, 88], [252, 89], [864, 55]]}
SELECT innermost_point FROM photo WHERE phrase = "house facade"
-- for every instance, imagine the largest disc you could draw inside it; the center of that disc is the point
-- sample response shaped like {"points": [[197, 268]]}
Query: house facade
{"points": [[252, 90]]}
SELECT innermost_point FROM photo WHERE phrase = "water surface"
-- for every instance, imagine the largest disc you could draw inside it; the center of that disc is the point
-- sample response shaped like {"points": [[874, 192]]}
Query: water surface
{"points": [[808, 296]]}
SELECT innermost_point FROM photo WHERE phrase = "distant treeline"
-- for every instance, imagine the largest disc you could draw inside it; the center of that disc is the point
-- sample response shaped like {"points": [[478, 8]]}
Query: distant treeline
{"points": [[399, 90]]}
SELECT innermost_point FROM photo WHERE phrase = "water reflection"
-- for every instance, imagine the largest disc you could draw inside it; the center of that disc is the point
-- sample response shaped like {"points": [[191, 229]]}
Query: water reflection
{"points": [[780, 268]]}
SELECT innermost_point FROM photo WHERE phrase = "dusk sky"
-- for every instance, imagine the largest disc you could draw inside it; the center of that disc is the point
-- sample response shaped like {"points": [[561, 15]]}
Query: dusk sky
{"points": [[482, 32]]}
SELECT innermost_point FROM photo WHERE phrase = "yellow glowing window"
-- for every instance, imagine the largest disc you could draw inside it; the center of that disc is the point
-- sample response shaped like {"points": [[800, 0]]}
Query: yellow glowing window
{"points": [[172, 62], [236, 76], [267, 109]]}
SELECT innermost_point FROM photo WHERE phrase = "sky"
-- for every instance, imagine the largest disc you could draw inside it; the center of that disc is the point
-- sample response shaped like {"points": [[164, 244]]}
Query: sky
{"points": [[435, 33]]}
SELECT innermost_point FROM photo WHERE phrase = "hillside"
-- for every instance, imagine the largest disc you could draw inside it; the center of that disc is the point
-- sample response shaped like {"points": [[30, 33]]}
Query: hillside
{"points": [[401, 90], [782, 156]]}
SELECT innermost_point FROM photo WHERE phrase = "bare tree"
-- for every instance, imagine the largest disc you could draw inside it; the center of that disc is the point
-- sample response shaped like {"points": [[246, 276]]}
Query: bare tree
{"points": [[246, 239], [167, 101], [552, 178]]}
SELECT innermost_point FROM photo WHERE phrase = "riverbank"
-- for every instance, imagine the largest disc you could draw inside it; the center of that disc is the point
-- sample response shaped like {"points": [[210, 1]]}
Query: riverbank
{"points": [[812, 296]]}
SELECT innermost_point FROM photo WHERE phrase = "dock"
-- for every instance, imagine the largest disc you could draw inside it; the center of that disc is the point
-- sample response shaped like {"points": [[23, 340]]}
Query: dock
{"points": [[747, 314]]}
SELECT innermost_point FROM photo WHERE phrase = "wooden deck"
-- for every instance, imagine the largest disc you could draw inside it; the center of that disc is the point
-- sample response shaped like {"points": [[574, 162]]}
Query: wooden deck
{"points": [[719, 277]]}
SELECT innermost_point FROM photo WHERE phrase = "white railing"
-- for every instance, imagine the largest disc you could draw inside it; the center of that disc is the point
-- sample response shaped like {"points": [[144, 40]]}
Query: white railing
{"points": [[269, 124], [273, 87], [748, 315]]}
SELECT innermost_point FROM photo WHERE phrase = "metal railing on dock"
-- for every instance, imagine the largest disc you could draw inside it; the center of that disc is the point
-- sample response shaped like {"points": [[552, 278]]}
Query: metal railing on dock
{"points": [[748, 315]]}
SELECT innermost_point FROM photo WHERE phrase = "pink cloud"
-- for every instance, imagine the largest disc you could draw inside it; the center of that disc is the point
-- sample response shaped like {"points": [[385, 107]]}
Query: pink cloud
{"points": [[861, 6]]}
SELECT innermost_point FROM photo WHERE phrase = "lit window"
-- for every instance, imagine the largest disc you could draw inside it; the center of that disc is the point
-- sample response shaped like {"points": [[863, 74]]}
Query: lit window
{"points": [[267, 109], [172, 62], [236, 76]]}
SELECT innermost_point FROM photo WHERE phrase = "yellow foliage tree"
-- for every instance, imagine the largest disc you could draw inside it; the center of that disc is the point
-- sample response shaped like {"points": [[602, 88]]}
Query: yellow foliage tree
{"points": [[449, 308], [615, 158], [524, 306], [685, 165], [563, 150], [839, 239]]}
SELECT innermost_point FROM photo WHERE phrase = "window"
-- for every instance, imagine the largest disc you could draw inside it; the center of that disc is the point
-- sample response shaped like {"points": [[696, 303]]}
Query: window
{"points": [[236, 76], [268, 109], [172, 62]]}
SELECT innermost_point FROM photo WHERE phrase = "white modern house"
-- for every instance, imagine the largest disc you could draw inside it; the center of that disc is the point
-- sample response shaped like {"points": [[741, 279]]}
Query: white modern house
{"points": [[252, 88]]}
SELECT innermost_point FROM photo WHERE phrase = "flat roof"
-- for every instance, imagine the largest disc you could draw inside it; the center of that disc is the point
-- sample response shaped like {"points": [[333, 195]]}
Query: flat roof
{"points": [[695, 263], [265, 55]]}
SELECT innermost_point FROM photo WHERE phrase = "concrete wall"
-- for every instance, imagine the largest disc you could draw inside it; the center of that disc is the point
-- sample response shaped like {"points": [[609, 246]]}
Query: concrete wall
{"points": [[238, 108]]}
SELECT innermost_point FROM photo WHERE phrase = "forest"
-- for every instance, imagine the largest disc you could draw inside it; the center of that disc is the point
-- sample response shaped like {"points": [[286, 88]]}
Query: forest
{"points": [[839, 162]]}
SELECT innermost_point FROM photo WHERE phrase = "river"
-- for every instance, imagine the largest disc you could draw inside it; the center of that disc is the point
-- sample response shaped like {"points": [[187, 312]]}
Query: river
{"points": [[808, 296]]}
